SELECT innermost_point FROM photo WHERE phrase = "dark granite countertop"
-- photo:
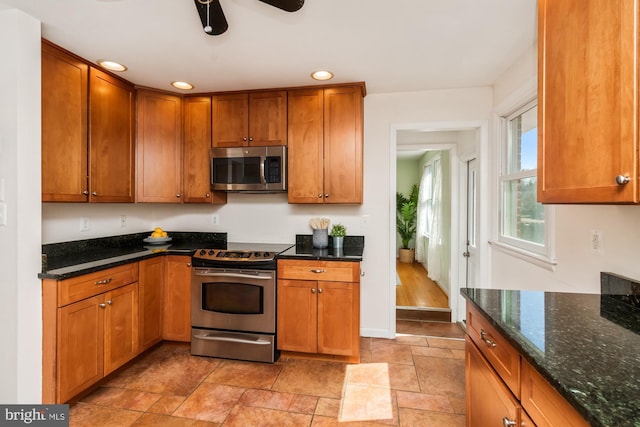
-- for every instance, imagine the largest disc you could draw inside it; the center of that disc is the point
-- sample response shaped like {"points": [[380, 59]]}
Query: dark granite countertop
{"points": [[75, 258], [352, 250], [586, 345]]}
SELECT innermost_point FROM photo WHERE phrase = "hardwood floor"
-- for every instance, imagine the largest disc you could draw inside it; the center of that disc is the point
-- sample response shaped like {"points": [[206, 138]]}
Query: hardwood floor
{"points": [[416, 289]]}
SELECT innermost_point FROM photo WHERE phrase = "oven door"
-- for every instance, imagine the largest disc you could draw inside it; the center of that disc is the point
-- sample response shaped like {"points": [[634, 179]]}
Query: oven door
{"points": [[234, 300]]}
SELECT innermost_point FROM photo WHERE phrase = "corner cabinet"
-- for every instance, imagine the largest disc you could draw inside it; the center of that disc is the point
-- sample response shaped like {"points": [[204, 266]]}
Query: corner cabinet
{"points": [[588, 101], [504, 389], [90, 328], [250, 119], [87, 131], [326, 145], [318, 311], [159, 147]]}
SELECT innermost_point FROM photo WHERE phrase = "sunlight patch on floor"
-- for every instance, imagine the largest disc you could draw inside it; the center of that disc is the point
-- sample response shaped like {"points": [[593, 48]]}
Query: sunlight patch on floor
{"points": [[367, 393]]}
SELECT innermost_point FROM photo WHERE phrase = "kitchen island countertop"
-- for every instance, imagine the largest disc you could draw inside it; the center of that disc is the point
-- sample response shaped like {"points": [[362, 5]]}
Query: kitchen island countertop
{"points": [[585, 345]]}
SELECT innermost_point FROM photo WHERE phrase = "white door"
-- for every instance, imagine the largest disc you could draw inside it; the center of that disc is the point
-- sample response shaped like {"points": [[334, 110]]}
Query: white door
{"points": [[470, 253]]}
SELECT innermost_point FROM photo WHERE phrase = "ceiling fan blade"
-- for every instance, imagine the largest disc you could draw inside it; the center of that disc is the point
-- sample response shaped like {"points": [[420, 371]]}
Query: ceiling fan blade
{"points": [[288, 5], [213, 22]]}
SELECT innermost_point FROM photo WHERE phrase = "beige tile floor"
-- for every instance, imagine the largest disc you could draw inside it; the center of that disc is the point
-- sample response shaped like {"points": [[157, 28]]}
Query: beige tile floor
{"points": [[416, 379]]}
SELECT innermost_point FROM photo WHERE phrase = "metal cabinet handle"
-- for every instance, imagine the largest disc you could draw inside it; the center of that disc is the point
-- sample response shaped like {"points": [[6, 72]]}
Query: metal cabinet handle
{"points": [[250, 139], [178, 196], [102, 305], [622, 180], [207, 195], [313, 291], [326, 196], [94, 193], [85, 192], [320, 196], [318, 270], [488, 340], [109, 302], [319, 290], [506, 422], [244, 138], [105, 281]]}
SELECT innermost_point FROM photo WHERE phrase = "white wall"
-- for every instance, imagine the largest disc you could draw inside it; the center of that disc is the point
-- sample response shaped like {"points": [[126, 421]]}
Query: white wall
{"points": [[20, 298], [578, 270]]}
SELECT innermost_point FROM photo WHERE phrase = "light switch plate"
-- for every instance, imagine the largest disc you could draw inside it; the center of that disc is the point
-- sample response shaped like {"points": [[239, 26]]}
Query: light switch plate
{"points": [[3, 213]]}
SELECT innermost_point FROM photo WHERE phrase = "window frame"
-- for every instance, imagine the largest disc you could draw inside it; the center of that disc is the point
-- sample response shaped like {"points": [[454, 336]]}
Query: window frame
{"points": [[540, 254]]}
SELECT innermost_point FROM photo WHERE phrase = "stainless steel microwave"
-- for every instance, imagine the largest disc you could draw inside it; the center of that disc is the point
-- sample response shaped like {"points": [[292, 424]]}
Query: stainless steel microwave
{"points": [[249, 169]]}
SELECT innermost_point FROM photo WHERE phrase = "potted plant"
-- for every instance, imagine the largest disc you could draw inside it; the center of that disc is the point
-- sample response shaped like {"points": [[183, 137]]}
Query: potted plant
{"points": [[406, 217], [338, 231]]}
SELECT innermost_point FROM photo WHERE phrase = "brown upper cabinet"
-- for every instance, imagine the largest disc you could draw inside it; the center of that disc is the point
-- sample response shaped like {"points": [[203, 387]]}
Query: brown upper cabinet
{"points": [[196, 185], [159, 154], [87, 132], [325, 145], [250, 119], [588, 101]]}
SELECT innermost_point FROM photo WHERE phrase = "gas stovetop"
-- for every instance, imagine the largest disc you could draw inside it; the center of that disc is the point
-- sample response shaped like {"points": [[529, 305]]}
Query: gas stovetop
{"points": [[239, 254]]}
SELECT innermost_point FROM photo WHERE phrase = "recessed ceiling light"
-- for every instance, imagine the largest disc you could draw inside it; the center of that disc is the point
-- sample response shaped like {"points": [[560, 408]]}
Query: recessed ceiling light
{"points": [[322, 75], [111, 65], [182, 85]]}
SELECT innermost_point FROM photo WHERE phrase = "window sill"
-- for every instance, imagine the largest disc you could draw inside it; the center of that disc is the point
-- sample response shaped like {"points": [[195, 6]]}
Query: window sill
{"points": [[533, 258]]}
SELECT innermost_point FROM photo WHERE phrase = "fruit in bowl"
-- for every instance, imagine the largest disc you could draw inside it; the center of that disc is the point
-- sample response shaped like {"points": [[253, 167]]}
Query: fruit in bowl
{"points": [[158, 233]]}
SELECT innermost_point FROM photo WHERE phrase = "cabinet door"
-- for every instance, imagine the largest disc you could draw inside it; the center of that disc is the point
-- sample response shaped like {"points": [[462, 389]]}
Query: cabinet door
{"points": [[587, 101], [489, 401], [297, 315], [343, 119], [80, 345], [120, 326], [305, 167], [268, 118], [176, 323], [159, 147], [151, 286], [111, 139], [196, 143], [230, 123], [64, 126], [339, 318]]}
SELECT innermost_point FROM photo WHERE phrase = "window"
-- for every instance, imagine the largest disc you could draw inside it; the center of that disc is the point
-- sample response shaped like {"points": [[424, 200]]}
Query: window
{"points": [[521, 219]]}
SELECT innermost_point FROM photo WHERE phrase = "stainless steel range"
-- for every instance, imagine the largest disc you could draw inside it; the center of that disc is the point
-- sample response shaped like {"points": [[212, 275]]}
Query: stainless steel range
{"points": [[233, 301]]}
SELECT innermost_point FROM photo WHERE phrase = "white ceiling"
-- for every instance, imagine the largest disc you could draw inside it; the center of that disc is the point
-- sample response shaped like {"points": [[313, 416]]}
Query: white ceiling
{"points": [[394, 46]]}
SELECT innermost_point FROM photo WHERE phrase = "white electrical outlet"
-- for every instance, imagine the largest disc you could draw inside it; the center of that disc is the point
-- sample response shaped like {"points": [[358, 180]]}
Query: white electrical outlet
{"points": [[123, 221], [215, 219], [365, 221], [85, 223], [597, 247]]}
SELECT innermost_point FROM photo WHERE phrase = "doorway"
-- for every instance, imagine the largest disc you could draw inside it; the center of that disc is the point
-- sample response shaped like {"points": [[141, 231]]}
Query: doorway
{"points": [[461, 142]]}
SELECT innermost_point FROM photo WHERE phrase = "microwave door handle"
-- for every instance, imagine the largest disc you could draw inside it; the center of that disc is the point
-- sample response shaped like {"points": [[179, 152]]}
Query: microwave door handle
{"points": [[263, 162]]}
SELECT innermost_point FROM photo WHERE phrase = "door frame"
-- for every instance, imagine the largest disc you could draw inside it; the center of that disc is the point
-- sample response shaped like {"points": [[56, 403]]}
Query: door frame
{"points": [[458, 222]]}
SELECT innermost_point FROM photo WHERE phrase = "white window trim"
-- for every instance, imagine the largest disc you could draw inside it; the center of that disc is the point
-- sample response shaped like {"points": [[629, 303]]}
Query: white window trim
{"points": [[540, 255]]}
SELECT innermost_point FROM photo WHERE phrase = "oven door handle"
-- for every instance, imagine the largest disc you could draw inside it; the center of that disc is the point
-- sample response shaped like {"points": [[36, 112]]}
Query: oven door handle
{"points": [[237, 275], [232, 339]]}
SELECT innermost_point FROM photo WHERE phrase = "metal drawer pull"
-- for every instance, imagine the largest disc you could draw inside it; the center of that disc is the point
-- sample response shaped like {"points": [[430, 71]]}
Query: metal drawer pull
{"points": [[237, 275], [230, 339], [318, 270], [506, 422], [105, 281], [487, 340]]}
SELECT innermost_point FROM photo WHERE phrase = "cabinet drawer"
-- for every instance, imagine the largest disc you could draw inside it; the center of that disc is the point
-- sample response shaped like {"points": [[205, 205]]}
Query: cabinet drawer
{"points": [[330, 271], [500, 354], [544, 404], [88, 285]]}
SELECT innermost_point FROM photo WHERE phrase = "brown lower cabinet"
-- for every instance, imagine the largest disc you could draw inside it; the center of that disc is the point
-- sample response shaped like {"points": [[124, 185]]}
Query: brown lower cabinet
{"points": [[504, 389], [176, 323], [90, 328], [95, 323], [319, 308]]}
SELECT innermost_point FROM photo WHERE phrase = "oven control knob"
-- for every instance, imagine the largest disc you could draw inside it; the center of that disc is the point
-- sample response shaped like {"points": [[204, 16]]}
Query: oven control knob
{"points": [[202, 252], [210, 252]]}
